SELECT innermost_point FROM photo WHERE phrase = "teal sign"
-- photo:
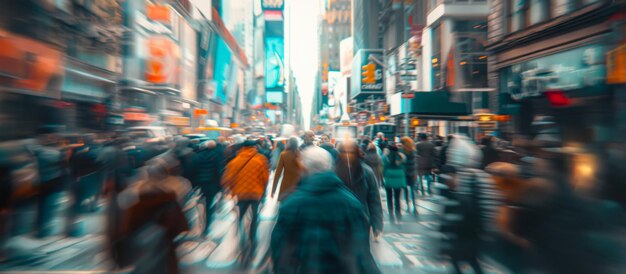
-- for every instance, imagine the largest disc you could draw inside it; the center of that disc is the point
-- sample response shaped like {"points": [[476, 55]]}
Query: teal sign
{"points": [[581, 68]]}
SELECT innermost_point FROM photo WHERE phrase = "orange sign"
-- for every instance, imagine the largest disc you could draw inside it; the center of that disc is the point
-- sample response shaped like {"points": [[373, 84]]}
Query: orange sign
{"points": [[616, 65], [159, 13], [136, 116], [197, 112], [162, 61], [28, 64]]}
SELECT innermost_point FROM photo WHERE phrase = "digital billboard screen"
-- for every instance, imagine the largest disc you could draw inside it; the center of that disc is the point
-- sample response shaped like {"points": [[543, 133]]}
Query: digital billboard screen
{"points": [[274, 97], [222, 71], [274, 63]]}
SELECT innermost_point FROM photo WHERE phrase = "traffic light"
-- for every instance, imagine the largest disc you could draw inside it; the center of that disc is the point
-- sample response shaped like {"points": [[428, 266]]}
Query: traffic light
{"points": [[369, 73]]}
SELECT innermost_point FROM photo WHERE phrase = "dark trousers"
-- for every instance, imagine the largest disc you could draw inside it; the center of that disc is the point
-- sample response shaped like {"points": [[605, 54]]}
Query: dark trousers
{"points": [[428, 177], [472, 261], [46, 206], [393, 199], [409, 193], [243, 207]]}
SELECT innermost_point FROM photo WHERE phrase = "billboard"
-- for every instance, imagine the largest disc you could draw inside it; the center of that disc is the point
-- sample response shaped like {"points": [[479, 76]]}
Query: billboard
{"points": [[274, 63], [367, 73], [274, 97], [346, 54], [189, 68], [222, 71], [273, 4]]}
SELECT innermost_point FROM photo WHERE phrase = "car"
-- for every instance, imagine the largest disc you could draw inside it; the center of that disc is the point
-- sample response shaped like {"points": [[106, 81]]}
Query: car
{"points": [[153, 139]]}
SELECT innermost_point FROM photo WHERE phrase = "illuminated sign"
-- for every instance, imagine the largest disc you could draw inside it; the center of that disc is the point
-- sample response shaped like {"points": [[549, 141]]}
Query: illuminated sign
{"points": [[273, 4], [222, 71], [274, 97], [274, 63], [367, 73], [162, 60], [581, 68]]}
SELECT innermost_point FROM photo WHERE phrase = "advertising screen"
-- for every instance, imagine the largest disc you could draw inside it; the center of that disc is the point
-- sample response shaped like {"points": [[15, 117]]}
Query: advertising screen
{"points": [[274, 63], [222, 72], [274, 97]]}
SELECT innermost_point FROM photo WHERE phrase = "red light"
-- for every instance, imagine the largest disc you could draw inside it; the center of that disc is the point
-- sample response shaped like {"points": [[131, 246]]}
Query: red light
{"points": [[557, 98]]}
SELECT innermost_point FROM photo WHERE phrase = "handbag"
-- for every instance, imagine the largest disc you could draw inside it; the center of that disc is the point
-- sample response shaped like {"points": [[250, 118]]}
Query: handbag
{"points": [[268, 215]]}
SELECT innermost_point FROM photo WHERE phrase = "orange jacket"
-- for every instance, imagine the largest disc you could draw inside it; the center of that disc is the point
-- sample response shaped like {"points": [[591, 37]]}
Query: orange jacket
{"points": [[246, 175]]}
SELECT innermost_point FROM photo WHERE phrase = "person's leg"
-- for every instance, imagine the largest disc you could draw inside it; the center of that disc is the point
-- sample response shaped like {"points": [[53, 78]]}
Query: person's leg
{"points": [[243, 207], [455, 264], [475, 265], [420, 182], [429, 180], [412, 194], [389, 192], [396, 197]]}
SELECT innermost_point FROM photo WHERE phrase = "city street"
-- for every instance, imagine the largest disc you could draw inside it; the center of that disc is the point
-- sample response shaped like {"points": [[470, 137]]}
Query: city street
{"points": [[409, 246]]}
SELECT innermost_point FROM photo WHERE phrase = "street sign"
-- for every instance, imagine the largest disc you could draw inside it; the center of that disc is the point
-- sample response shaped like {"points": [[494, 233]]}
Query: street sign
{"points": [[409, 95], [408, 67], [408, 77]]}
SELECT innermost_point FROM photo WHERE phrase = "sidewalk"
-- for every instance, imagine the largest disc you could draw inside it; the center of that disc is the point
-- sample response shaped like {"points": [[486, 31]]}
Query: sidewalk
{"points": [[415, 242]]}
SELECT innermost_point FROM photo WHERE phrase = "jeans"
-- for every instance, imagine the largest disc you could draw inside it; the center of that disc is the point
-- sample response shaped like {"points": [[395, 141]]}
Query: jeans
{"points": [[409, 193], [393, 198], [428, 177], [243, 207]]}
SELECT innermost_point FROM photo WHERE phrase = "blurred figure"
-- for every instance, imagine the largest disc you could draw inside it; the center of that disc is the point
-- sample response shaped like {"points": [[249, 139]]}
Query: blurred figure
{"points": [[410, 171], [207, 167], [395, 180], [264, 148], [246, 178], [278, 149], [373, 160], [490, 153], [184, 155], [290, 168], [443, 157], [150, 218], [88, 180], [360, 179], [474, 198], [328, 146], [321, 227], [52, 163], [231, 151], [425, 163], [309, 137]]}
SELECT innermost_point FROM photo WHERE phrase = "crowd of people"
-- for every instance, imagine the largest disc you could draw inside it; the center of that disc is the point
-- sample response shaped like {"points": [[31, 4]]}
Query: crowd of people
{"points": [[329, 193]]}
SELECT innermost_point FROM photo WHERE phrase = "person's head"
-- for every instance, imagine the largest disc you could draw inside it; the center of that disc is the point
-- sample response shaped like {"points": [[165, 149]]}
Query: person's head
{"points": [[348, 166], [281, 146], [325, 139], [292, 144], [316, 160], [380, 136], [407, 145], [450, 138], [463, 153], [309, 137], [422, 137], [248, 144], [371, 147], [486, 141]]}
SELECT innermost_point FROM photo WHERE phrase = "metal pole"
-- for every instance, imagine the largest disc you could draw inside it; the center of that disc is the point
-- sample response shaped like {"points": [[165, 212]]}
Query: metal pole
{"points": [[407, 86]]}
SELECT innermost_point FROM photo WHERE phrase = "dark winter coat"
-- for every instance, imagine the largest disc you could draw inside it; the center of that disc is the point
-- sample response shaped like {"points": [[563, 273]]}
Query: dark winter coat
{"points": [[322, 228], [207, 166], [425, 156], [365, 189], [331, 149]]}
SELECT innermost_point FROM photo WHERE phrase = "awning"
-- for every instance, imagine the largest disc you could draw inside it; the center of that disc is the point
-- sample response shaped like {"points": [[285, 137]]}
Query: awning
{"points": [[437, 103]]}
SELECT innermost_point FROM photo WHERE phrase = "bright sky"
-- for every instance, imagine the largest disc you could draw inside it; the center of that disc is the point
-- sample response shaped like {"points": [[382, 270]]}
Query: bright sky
{"points": [[301, 18]]}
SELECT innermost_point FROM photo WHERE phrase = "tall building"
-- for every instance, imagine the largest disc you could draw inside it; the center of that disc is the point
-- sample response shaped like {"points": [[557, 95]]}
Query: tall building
{"points": [[365, 27], [335, 26]]}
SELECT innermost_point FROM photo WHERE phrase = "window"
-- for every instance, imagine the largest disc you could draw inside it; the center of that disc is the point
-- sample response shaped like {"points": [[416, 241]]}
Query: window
{"points": [[471, 37], [539, 11], [517, 15]]}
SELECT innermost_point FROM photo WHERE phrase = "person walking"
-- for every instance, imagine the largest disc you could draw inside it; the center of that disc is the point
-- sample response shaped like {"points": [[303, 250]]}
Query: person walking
{"points": [[322, 227], [395, 180], [290, 168], [279, 147], [245, 177], [360, 179], [328, 146], [425, 163], [375, 162], [474, 198], [207, 166], [489, 151], [309, 137], [410, 171]]}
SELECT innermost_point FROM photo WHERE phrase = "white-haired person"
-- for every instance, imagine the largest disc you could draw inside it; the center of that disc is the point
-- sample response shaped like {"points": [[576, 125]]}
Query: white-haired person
{"points": [[322, 227]]}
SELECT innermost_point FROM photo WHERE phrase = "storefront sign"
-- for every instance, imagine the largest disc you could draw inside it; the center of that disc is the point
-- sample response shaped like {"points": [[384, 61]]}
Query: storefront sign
{"points": [[346, 54], [616, 65], [581, 68], [177, 121], [30, 66]]}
